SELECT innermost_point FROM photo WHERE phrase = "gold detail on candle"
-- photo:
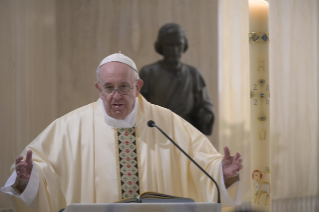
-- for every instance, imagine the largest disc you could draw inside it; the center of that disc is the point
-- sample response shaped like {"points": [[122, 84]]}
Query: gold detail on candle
{"points": [[262, 118], [258, 37], [261, 186], [267, 170], [261, 82], [262, 134]]}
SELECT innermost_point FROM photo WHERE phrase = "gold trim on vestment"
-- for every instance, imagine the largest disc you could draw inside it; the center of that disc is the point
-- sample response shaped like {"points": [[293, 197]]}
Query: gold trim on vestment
{"points": [[258, 37], [117, 162], [128, 163], [138, 151]]}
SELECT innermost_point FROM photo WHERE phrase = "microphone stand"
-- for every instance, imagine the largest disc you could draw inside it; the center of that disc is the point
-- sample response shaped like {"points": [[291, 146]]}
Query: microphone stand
{"points": [[151, 123]]}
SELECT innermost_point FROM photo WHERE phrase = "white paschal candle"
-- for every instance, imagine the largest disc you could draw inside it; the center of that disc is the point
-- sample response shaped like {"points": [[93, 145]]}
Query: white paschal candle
{"points": [[259, 105]]}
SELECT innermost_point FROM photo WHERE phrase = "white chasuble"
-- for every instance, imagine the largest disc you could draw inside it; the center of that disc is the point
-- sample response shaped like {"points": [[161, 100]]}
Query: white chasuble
{"points": [[80, 159]]}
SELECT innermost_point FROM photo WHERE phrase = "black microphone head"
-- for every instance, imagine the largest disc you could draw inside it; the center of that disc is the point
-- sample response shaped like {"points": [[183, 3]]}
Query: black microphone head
{"points": [[150, 123]]}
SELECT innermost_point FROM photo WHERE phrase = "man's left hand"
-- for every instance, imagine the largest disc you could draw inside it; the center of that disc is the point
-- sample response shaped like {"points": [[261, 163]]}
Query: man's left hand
{"points": [[231, 164]]}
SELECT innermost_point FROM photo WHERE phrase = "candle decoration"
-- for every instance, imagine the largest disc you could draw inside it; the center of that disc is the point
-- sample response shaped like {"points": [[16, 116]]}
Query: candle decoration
{"points": [[259, 105]]}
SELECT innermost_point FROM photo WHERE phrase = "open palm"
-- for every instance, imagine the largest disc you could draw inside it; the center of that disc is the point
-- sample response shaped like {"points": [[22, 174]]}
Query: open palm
{"points": [[24, 167], [231, 164]]}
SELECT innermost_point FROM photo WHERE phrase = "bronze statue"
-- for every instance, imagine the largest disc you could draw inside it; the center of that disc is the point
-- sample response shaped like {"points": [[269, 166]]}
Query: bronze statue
{"points": [[174, 85]]}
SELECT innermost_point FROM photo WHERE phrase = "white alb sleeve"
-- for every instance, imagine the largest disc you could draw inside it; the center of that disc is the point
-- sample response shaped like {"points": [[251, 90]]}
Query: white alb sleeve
{"points": [[30, 192], [229, 196]]}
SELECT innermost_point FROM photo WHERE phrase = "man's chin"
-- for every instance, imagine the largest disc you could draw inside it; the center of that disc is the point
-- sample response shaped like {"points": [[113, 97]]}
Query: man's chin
{"points": [[119, 115]]}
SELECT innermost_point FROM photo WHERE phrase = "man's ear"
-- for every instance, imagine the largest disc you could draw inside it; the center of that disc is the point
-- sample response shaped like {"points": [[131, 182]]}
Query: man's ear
{"points": [[97, 86], [139, 85]]}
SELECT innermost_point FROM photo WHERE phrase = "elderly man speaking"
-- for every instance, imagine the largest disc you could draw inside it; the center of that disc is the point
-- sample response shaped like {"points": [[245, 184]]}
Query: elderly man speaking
{"points": [[104, 152]]}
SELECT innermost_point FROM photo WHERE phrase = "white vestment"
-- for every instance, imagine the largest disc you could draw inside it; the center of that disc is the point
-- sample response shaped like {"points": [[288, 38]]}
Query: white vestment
{"points": [[77, 159]]}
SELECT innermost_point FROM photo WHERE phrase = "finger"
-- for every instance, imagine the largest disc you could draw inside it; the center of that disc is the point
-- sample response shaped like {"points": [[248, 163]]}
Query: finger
{"points": [[234, 173], [237, 156], [22, 170], [237, 162], [29, 157], [240, 160], [22, 163], [226, 152], [18, 167], [240, 166], [20, 174], [18, 159]]}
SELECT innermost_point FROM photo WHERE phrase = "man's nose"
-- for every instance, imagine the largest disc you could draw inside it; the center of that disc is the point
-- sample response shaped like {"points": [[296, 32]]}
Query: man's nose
{"points": [[116, 95]]}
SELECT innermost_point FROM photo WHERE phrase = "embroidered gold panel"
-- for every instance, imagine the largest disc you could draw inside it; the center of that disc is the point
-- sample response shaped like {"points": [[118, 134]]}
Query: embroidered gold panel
{"points": [[127, 162]]}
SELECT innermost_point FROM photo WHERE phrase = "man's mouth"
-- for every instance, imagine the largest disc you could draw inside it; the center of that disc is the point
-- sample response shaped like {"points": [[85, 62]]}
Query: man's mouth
{"points": [[117, 105]]}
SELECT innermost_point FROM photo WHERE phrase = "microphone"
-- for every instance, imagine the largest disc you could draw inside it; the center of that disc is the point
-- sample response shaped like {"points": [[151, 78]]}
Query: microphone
{"points": [[151, 123]]}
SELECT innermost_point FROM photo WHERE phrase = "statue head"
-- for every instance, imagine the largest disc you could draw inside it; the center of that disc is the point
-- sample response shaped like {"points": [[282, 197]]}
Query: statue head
{"points": [[171, 42]]}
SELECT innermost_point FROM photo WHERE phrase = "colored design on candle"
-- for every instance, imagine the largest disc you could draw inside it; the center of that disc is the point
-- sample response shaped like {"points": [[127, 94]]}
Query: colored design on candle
{"points": [[261, 82], [258, 37], [261, 186], [267, 170], [262, 118]]}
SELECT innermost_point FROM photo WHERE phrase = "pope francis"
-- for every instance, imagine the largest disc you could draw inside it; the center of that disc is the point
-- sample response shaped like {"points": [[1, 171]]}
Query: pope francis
{"points": [[104, 152]]}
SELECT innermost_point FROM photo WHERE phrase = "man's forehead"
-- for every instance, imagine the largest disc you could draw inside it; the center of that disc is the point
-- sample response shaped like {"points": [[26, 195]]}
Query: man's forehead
{"points": [[116, 70], [115, 64]]}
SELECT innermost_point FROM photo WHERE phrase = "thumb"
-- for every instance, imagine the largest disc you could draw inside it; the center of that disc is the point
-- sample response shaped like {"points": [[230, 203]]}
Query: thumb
{"points": [[29, 157], [226, 152]]}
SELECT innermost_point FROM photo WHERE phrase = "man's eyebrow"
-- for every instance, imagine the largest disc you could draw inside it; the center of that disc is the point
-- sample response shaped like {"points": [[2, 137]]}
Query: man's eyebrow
{"points": [[122, 83]]}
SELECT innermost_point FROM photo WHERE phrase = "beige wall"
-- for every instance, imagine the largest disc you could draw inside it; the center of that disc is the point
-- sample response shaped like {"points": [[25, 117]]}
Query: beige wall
{"points": [[27, 77], [50, 50]]}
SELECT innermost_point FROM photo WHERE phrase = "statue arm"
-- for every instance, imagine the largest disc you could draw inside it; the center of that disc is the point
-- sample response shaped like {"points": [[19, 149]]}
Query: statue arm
{"points": [[203, 114], [144, 90]]}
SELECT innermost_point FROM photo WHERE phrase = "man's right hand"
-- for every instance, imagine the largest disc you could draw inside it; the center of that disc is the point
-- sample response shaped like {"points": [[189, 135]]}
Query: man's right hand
{"points": [[24, 168]]}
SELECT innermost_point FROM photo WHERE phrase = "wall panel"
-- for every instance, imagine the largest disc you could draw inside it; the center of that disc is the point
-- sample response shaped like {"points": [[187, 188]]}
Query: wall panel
{"points": [[27, 77]]}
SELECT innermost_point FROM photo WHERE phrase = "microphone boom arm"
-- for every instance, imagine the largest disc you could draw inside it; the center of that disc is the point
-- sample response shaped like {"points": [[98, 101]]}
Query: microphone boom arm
{"points": [[151, 123]]}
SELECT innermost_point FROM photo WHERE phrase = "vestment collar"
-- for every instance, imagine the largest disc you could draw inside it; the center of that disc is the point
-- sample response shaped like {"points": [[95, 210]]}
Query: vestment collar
{"points": [[127, 122]]}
